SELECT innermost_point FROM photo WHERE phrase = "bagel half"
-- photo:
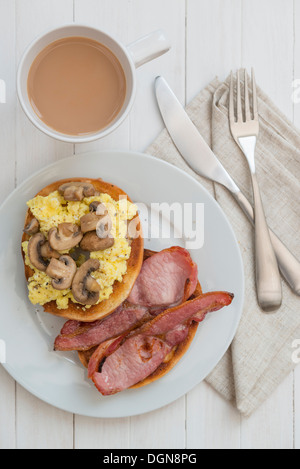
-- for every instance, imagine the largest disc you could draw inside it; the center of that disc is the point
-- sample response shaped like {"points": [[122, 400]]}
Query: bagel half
{"points": [[122, 289]]}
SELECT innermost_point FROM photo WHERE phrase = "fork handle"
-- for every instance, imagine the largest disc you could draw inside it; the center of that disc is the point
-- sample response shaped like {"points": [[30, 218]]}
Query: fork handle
{"points": [[268, 284], [288, 264], [269, 291]]}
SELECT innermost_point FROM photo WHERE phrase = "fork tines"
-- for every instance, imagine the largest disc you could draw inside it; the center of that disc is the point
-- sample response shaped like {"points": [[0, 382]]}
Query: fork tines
{"points": [[242, 115]]}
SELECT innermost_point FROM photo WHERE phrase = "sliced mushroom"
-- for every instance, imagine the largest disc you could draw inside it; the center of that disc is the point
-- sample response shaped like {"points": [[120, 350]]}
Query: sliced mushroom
{"points": [[65, 236], [89, 221], [62, 272], [94, 205], [76, 190], [92, 285], [48, 252], [85, 289], [104, 227], [34, 251], [101, 210], [91, 242], [32, 227]]}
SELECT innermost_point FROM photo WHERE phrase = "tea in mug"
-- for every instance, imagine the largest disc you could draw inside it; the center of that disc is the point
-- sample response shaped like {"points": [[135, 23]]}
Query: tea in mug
{"points": [[76, 86]]}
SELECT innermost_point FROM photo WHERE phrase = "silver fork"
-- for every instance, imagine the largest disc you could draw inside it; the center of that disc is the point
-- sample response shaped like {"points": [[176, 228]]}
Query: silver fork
{"points": [[244, 127]]}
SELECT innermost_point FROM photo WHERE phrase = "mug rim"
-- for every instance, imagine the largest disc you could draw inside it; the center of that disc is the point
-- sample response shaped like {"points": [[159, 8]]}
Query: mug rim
{"points": [[59, 135]]}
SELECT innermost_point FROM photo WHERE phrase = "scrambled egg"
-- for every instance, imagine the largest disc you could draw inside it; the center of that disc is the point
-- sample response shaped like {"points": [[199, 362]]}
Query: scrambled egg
{"points": [[53, 210]]}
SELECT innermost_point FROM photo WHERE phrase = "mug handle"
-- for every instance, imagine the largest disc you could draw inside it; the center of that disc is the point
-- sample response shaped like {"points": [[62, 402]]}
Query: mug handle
{"points": [[148, 47]]}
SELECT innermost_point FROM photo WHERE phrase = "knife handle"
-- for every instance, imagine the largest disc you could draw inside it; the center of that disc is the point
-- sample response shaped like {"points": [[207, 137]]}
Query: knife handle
{"points": [[289, 266]]}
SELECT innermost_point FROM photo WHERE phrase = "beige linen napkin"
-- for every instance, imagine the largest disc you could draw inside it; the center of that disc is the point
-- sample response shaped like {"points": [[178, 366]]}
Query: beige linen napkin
{"points": [[260, 355]]}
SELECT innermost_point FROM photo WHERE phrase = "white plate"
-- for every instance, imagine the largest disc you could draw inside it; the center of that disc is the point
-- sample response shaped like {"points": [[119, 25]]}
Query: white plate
{"points": [[28, 333]]}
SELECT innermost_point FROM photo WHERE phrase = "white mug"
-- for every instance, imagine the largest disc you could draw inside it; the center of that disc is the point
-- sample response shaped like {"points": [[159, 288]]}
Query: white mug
{"points": [[131, 57]]}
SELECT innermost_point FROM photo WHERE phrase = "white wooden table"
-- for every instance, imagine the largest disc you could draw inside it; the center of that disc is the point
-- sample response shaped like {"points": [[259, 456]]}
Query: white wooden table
{"points": [[209, 38]]}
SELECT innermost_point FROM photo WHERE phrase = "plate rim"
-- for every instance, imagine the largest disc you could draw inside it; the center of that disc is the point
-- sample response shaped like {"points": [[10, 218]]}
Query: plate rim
{"points": [[137, 154]]}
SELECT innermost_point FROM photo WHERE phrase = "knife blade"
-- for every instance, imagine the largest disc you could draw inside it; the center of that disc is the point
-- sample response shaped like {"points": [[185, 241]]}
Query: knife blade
{"points": [[199, 156]]}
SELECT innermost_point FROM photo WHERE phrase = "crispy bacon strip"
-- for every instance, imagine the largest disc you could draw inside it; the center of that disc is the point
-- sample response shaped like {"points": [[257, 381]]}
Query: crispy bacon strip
{"points": [[195, 309], [137, 355], [82, 336]]}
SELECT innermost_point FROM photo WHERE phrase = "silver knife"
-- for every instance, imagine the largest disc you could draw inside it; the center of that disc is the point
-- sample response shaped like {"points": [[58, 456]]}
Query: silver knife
{"points": [[195, 151]]}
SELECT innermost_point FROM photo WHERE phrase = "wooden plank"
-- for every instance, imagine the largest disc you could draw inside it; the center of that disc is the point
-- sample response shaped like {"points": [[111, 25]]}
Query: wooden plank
{"points": [[267, 45], [145, 119], [163, 428], [38, 424], [96, 433], [160, 429], [110, 16], [271, 425], [213, 49], [212, 423], [7, 411], [213, 42], [41, 426], [7, 110], [128, 21], [34, 149], [7, 155], [297, 407]]}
